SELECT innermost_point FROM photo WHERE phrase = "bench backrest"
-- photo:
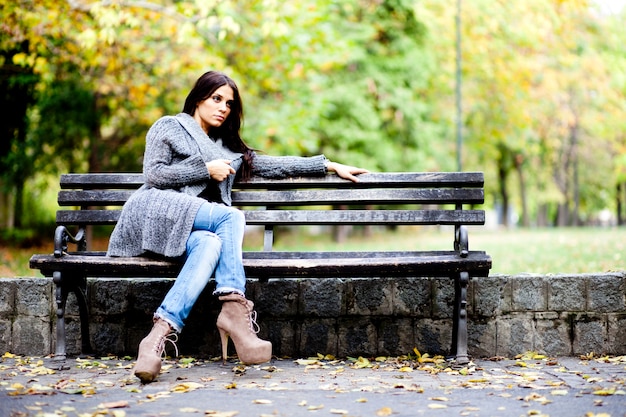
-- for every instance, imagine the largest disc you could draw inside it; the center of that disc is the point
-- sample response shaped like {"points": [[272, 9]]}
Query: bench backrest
{"points": [[379, 198]]}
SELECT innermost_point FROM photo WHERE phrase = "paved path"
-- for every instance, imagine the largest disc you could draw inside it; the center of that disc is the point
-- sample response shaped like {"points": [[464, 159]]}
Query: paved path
{"points": [[526, 386]]}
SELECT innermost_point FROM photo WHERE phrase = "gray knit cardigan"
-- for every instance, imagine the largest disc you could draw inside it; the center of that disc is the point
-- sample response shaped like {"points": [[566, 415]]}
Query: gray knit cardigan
{"points": [[158, 217]]}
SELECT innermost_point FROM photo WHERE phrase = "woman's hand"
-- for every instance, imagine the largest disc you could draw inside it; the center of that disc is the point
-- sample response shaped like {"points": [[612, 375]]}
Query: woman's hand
{"points": [[219, 169], [345, 171]]}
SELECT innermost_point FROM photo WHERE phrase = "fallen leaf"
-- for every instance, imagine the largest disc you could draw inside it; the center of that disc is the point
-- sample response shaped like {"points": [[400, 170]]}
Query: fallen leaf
{"points": [[261, 401], [338, 411], [114, 404], [435, 406], [385, 411]]}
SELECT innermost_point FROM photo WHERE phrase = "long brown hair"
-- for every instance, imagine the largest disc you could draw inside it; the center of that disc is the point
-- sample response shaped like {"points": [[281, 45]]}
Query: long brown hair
{"points": [[229, 130]]}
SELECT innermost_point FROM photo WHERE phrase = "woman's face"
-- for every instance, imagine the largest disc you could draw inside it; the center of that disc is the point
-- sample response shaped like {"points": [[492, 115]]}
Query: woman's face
{"points": [[213, 111]]}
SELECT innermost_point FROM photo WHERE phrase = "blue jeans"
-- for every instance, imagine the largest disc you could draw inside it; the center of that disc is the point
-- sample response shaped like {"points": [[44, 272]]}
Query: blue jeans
{"points": [[214, 245]]}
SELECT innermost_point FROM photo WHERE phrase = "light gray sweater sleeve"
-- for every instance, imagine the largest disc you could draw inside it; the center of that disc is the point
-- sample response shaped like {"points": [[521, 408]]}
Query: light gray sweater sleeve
{"points": [[288, 166], [169, 162]]}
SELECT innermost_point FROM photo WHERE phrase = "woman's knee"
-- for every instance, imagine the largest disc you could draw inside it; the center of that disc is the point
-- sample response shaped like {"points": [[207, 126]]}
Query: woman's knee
{"points": [[205, 240]]}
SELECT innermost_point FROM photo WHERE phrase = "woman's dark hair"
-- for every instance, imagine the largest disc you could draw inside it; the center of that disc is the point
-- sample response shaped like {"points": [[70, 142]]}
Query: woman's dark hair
{"points": [[229, 130]]}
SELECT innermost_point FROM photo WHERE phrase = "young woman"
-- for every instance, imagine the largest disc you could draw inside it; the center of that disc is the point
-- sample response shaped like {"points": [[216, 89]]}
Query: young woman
{"points": [[184, 211]]}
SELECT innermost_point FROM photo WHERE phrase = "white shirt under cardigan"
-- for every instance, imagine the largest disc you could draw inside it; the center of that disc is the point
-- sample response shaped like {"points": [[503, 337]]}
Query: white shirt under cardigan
{"points": [[159, 216]]}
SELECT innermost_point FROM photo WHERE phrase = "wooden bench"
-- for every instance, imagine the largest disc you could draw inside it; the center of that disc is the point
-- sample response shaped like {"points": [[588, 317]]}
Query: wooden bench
{"points": [[388, 199]]}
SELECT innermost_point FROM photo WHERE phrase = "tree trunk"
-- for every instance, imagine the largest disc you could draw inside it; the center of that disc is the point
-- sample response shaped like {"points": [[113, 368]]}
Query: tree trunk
{"points": [[621, 188], [519, 161], [504, 195]]}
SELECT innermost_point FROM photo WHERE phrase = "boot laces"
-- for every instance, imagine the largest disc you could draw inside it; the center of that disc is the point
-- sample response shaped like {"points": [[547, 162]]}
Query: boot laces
{"points": [[159, 346], [254, 327]]}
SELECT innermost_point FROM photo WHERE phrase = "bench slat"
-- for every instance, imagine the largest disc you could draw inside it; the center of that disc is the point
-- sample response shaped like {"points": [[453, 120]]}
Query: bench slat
{"points": [[365, 217], [284, 264], [293, 198], [391, 179], [310, 217], [359, 196], [93, 197]]}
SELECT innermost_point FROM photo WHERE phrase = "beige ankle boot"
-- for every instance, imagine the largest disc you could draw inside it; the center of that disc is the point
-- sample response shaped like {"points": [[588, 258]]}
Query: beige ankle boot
{"points": [[151, 350], [237, 320]]}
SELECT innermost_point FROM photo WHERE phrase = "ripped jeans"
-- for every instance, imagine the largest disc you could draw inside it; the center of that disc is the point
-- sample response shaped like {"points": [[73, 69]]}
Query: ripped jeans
{"points": [[214, 245]]}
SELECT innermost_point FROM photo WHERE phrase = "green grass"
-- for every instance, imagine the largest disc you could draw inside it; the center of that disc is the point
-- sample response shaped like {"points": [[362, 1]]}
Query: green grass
{"points": [[515, 251]]}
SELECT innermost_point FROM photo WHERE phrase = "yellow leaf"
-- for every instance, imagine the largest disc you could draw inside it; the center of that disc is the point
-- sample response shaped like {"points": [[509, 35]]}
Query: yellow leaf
{"points": [[405, 369], [362, 362], [315, 407], [231, 385], [361, 400], [385, 411], [8, 355], [338, 411], [607, 391], [435, 406], [439, 399], [559, 392], [307, 361]]}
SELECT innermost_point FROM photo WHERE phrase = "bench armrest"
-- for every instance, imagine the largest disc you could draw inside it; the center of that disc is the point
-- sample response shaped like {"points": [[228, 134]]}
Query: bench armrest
{"points": [[62, 237], [461, 241]]}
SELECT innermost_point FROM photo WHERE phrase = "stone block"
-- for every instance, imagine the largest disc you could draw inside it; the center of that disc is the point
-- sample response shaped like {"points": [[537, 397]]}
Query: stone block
{"points": [[5, 336], [276, 298], [443, 304], [590, 334], [606, 293], [321, 297], [433, 336], [491, 296], [73, 340], [481, 338], [566, 293], [396, 336], [412, 297], [356, 337], [616, 334], [33, 297], [318, 336], [109, 296], [31, 336], [514, 334], [282, 334], [147, 294], [552, 334], [7, 296], [369, 296], [528, 293], [108, 338]]}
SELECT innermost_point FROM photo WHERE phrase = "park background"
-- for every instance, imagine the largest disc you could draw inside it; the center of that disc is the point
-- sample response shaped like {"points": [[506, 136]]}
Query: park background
{"points": [[536, 100]]}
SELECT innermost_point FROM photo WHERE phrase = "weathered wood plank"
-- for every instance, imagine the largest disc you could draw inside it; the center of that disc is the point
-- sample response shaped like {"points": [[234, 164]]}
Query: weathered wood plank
{"points": [[391, 179], [282, 264], [307, 217], [360, 196]]}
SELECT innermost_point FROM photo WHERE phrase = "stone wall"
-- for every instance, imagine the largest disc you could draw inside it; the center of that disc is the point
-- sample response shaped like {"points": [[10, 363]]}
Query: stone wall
{"points": [[555, 315]]}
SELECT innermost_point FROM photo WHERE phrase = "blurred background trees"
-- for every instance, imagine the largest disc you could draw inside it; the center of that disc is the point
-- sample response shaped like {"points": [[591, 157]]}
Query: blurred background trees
{"points": [[367, 82]]}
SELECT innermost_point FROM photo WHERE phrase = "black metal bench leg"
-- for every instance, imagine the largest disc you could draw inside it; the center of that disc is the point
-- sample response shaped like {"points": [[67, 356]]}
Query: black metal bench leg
{"points": [[65, 285], [61, 297], [79, 288], [459, 325]]}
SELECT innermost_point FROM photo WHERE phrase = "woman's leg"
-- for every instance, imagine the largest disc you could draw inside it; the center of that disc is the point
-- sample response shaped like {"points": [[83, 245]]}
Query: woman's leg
{"points": [[229, 224], [203, 252]]}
